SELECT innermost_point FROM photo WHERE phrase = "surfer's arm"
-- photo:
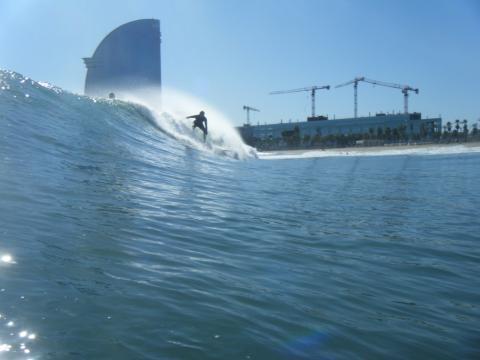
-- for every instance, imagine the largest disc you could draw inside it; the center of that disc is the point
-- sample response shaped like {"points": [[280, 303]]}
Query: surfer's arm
{"points": [[191, 116]]}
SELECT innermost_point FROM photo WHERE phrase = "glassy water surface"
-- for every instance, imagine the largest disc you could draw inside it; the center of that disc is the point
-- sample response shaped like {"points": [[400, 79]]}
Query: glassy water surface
{"points": [[118, 241]]}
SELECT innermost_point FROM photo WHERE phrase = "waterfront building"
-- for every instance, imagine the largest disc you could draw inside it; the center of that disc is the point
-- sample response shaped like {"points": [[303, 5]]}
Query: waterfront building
{"points": [[381, 125]]}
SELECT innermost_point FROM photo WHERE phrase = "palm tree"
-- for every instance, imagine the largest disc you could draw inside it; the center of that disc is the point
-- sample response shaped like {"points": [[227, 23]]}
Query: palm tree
{"points": [[423, 131], [449, 126], [474, 129], [306, 139], [379, 133], [402, 131], [395, 134], [388, 133], [465, 127]]}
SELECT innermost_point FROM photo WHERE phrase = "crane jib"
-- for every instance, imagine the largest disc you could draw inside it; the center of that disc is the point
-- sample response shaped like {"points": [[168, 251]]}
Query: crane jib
{"points": [[312, 89]]}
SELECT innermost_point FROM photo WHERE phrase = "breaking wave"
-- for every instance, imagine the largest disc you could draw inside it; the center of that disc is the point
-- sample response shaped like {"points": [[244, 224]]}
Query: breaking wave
{"points": [[147, 120]]}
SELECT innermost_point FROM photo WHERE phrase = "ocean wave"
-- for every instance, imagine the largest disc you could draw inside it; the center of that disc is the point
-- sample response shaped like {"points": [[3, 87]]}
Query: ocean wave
{"points": [[46, 107]]}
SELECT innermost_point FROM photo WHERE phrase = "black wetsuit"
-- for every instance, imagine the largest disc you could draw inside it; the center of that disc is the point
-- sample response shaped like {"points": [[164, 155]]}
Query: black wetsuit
{"points": [[199, 122]]}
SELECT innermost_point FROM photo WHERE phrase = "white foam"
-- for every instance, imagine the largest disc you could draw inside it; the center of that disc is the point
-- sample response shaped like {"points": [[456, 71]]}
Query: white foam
{"points": [[424, 150], [49, 86], [170, 109]]}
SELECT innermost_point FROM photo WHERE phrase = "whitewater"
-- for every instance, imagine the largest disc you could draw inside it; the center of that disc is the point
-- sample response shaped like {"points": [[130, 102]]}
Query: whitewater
{"points": [[123, 235]]}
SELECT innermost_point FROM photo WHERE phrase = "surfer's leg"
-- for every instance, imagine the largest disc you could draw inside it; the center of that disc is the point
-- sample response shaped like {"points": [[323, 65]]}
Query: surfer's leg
{"points": [[201, 127]]}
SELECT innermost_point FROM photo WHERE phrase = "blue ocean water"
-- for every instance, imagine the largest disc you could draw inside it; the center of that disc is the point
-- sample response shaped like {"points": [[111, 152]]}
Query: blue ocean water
{"points": [[119, 240]]}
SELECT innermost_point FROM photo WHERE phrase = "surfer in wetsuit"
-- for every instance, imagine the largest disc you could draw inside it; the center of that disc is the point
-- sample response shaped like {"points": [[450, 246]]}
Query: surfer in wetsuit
{"points": [[199, 121]]}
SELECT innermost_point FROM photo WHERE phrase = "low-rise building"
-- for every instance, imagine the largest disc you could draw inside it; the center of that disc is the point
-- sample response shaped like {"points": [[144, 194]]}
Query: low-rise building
{"points": [[385, 126]]}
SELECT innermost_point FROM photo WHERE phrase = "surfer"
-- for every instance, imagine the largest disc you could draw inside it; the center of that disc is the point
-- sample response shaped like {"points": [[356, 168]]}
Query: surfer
{"points": [[199, 121]]}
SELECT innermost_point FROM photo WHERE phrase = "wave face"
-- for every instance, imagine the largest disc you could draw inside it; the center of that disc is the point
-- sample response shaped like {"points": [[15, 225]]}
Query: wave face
{"points": [[123, 236], [64, 117]]}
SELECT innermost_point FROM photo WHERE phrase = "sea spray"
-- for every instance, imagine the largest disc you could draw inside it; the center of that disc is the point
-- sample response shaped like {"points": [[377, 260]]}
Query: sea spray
{"points": [[170, 108]]}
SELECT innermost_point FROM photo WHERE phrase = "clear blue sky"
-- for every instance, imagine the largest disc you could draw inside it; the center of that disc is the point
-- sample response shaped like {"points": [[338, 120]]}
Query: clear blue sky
{"points": [[232, 53]]}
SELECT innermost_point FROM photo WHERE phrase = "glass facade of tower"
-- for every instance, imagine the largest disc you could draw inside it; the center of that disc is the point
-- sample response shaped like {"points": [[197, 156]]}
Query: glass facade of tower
{"points": [[127, 59]]}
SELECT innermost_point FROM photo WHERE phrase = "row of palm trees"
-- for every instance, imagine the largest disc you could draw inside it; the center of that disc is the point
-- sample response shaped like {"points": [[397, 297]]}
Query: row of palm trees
{"points": [[460, 128]]}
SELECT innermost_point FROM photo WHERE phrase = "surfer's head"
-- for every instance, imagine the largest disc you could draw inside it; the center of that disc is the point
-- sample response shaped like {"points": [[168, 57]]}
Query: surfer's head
{"points": [[202, 112]]}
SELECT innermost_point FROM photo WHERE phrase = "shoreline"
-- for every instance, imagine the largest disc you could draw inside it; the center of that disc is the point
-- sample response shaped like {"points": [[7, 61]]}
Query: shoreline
{"points": [[390, 149]]}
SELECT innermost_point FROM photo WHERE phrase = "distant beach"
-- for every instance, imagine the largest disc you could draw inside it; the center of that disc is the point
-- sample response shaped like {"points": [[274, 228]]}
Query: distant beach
{"points": [[391, 149]]}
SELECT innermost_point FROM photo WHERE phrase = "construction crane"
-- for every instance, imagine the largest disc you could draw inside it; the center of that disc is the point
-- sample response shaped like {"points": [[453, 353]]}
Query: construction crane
{"points": [[312, 90], [355, 86], [248, 109], [405, 89]]}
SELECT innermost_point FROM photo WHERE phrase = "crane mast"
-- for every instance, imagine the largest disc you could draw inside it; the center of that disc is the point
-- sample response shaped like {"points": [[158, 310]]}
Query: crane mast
{"points": [[405, 91], [312, 90], [355, 89], [248, 109]]}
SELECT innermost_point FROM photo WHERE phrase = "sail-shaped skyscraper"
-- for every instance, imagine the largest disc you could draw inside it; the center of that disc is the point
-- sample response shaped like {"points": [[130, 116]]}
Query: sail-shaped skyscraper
{"points": [[125, 60]]}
